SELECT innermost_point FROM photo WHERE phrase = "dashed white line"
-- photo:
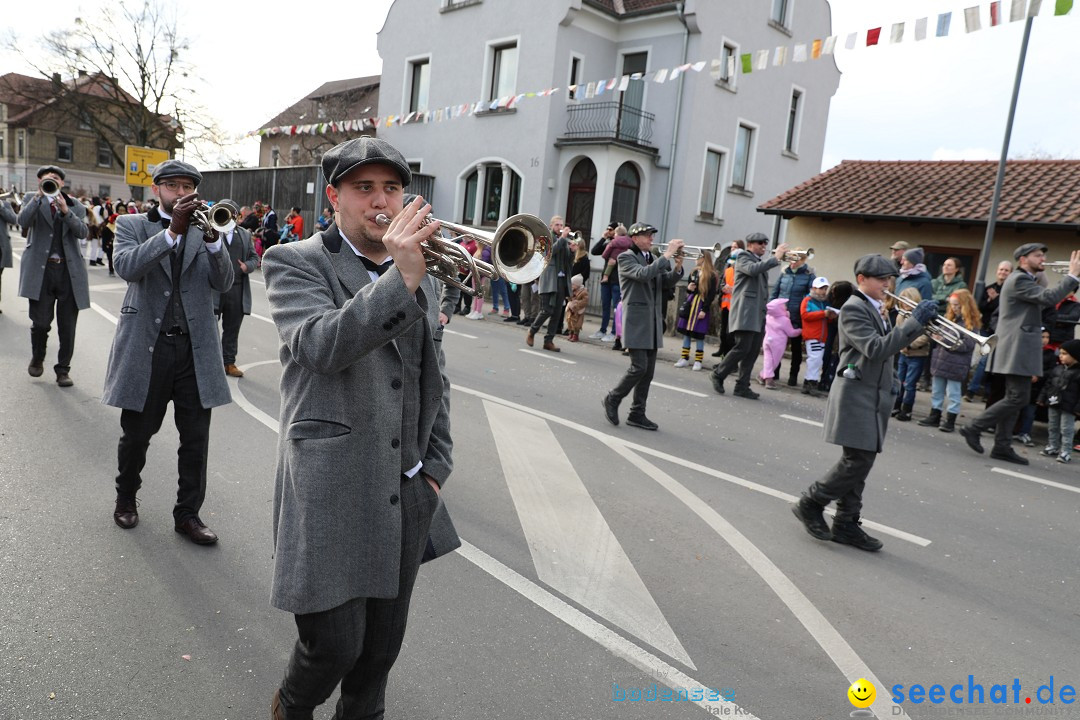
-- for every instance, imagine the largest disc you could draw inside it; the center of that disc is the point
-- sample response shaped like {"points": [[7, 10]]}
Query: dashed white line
{"points": [[695, 393], [1032, 478], [796, 418], [262, 317], [548, 355], [448, 331]]}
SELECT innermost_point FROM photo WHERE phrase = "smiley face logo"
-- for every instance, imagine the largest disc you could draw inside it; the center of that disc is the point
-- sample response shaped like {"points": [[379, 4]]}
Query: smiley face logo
{"points": [[862, 693]]}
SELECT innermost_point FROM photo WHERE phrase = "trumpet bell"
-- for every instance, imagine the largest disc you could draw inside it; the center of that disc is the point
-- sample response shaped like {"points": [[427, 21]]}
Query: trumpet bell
{"points": [[521, 248], [49, 187]]}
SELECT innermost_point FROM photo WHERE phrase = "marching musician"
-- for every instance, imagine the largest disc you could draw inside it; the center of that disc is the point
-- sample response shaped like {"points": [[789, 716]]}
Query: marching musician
{"points": [[166, 346], [52, 275], [365, 443], [857, 412], [1017, 355], [231, 306]]}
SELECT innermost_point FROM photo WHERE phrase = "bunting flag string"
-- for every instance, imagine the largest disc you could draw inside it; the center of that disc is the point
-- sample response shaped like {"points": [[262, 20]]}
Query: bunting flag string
{"points": [[720, 69]]}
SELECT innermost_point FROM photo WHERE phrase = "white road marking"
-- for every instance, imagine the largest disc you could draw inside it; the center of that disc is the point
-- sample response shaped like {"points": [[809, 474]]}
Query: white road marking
{"points": [[815, 423], [244, 404], [572, 545], [703, 469], [832, 642], [103, 313], [1032, 478], [262, 317], [259, 282], [617, 645], [448, 331], [695, 393], [110, 287], [547, 354]]}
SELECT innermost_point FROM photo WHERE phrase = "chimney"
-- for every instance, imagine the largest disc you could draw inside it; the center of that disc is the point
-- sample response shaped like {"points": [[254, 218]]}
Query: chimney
{"points": [[56, 78], [82, 73]]}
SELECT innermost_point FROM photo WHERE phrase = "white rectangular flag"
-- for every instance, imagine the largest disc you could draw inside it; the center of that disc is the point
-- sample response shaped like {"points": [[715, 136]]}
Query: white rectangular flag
{"points": [[971, 19], [624, 83], [852, 38], [800, 53], [762, 60], [661, 75], [920, 29], [779, 58], [731, 68], [897, 34], [714, 68], [1034, 8], [829, 46]]}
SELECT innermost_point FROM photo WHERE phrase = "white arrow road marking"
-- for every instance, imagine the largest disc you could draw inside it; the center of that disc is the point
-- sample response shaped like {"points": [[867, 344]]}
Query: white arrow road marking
{"points": [[572, 546], [831, 641]]}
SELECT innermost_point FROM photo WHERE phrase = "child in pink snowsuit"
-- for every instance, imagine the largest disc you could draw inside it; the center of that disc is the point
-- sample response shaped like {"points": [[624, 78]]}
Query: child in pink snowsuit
{"points": [[778, 329]]}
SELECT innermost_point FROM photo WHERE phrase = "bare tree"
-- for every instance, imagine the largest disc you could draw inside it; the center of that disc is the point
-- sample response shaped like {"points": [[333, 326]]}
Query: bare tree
{"points": [[129, 79]]}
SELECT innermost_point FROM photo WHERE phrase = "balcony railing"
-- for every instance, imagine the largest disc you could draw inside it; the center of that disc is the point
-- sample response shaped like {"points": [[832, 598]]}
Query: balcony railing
{"points": [[609, 121]]}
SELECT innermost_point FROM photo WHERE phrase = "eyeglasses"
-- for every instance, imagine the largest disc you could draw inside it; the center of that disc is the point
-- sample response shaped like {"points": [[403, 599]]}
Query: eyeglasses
{"points": [[173, 186]]}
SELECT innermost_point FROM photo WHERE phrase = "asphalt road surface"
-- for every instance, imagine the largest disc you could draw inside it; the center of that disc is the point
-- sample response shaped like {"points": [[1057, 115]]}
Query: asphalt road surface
{"points": [[602, 566]]}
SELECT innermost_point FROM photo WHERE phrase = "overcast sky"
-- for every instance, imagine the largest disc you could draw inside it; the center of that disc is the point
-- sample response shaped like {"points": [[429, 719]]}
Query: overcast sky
{"points": [[938, 99]]}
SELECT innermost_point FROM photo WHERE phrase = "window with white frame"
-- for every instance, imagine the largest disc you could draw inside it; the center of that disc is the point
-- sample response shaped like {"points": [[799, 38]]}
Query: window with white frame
{"points": [[104, 155], [504, 60], [420, 73], [794, 121], [65, 149], [710, 203], [575, 76], [729, 55], [781, 9], [491, 200], [742, 172]]}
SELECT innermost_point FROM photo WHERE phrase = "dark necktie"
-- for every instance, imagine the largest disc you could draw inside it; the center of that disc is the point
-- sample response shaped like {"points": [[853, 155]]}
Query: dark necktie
{"points": [[377, 269], [648, 258]]}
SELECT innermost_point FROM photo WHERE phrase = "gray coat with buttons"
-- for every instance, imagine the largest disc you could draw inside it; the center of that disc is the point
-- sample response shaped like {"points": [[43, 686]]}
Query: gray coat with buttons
{"points": [[36, 217], [141, 255], [337, 521]]}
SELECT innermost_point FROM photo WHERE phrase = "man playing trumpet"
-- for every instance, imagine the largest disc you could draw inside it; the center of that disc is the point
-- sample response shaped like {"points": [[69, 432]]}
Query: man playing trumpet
{"points": [[52, 275]]}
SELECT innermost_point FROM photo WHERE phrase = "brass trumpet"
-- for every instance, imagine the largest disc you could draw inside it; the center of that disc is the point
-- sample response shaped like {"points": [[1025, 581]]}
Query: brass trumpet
{"points": [[945, 332], [219, 217], [520, 249], [796, 255]]}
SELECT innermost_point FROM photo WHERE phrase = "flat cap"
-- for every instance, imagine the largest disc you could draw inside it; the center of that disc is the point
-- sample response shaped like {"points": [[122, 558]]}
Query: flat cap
{"points": [[340, 160], [874, 266], [49, 169], [757, 238], [899, 245], [176, 168], [1026, 249], [641, 229]]}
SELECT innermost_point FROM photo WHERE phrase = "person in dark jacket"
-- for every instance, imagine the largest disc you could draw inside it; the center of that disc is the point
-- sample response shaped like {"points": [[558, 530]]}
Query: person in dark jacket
{"points": [[914, 274], [949, 366], [1061, 395], [794, 285], [988, 306]]}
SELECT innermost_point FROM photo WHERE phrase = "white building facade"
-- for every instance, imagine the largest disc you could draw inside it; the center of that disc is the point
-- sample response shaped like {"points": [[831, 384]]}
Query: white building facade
{"points": [[694, 156]]}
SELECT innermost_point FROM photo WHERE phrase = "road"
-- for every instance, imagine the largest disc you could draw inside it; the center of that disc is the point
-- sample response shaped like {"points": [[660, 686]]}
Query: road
{"points": [[598, 561]]}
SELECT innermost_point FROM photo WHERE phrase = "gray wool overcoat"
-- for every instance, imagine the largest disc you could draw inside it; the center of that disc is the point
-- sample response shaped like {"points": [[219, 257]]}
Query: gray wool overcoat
{"points": [[141, 255], [857, 413], [7, 217], [642, 287], [250, 258], [1019, 328], [337, 527], [36, 216], [750, 293]]}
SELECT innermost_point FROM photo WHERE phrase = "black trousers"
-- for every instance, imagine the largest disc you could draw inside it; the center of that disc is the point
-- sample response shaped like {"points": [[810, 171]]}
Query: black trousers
{"points": [[727, 340], [637, 379], [172, 377], [1003, 413], [844, 483], [57, 297], [742, 356], [551, 309], [232, 315], [357, 643]]}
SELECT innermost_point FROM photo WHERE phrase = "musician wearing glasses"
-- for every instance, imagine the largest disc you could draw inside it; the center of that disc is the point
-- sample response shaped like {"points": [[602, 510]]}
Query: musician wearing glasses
{"points": [[52, 275], [857, 413], [365, 443], [166, 348], [1018, 353]]}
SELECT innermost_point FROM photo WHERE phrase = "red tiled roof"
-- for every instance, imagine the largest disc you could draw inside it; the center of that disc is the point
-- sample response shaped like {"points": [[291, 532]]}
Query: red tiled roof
{"points": [[1035, 192]]}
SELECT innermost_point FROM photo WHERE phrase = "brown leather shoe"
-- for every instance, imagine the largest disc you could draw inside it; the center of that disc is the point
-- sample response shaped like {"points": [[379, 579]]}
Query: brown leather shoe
{"points": [[551, 346], [64, 380], [196, 531], [232, 371], [126, 514], [529, 338], [277, 712], [36, 368]]}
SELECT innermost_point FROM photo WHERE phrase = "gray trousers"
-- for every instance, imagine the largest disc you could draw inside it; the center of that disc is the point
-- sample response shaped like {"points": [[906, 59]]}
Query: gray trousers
{"points": [[844, 483], [357, 643], [742, 356], [1004, 412]]}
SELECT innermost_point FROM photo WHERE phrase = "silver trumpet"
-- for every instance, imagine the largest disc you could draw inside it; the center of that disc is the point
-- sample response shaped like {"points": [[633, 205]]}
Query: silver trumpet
{"points": [[1058, 266], [520, 249], [796, 255], [945, 332], [695, 251], [219, 217], [49, 187]]}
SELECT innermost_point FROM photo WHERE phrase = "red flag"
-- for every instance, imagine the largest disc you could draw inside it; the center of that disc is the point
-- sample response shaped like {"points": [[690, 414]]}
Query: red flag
{"points": [[995, 13], [872, 36]]}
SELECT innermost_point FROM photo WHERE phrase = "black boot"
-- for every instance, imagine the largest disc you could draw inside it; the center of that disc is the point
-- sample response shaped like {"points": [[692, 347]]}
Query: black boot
{"points": [[812, 516], [618, 344], [904, 415], [848, 532], [931, 420], [950, 423], [810, 387], [895, 407]]}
